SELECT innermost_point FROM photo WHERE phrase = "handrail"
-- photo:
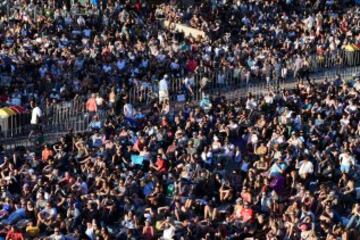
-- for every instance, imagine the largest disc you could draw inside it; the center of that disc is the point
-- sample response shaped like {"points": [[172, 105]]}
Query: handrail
{"points": [[82, 125], [239, 78], [72, 114]]}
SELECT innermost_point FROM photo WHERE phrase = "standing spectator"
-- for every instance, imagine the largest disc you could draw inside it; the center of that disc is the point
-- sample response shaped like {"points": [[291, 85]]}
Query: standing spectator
{"points": [[35, 121], [189, 83], [46, 154], [129, 110], [163, 89], [298, 65], [347, 161], [91, 105]]}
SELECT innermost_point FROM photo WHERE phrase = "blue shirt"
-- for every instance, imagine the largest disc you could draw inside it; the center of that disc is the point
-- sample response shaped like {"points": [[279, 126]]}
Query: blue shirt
{"points": [[277, 168], [148, 188]]}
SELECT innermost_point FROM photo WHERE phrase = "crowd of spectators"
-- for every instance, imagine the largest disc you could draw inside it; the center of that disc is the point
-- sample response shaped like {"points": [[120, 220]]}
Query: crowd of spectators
{"points": [[281, 166], [53, 52]]}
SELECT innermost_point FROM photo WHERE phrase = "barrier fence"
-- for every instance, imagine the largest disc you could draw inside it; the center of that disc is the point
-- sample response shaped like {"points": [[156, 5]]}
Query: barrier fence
{"points": [[71, 115], [59, 117], [224, 80]]}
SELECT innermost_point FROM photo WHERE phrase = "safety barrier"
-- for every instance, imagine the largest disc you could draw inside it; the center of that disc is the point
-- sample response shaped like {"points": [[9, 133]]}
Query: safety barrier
{"points": [[68, 115], [223, 80], [68, 119]]}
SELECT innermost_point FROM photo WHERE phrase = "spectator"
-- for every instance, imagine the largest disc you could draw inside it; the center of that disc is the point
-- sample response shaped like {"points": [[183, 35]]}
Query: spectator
{"points": [[36, 115], [278, 166], [14, 234], [163, 89], [91, 105]]}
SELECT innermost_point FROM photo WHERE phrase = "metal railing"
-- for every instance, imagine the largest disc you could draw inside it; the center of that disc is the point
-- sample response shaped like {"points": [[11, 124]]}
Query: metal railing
{"points": [[65, 116], [224, 80], [72, 115], [48, 133]]}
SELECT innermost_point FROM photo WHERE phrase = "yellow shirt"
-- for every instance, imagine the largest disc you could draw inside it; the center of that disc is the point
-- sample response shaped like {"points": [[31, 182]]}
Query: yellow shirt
{"points": [[33, 231]]}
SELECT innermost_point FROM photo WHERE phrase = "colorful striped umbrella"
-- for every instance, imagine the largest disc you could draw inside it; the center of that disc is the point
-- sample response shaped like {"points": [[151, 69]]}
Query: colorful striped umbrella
{"points": [[6, 112]]}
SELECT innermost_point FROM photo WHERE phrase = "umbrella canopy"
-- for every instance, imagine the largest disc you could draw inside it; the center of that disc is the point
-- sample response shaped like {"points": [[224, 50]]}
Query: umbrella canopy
{"points": [[6, 112], [350, 48], [18, 109]]}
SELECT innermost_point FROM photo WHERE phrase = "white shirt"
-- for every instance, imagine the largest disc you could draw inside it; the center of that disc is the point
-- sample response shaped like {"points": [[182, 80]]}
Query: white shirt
{"points": [[163, 85], [36, 113], [57, 237], [169, 233], [128, 110], [49, 213], [99, 101], [306, 168], [346, 159], [269, 99], [229, 150], [251, 104]]}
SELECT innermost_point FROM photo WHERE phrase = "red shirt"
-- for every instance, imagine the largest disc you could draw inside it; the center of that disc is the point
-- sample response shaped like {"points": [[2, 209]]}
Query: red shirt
{"points": [[191, 65], [247, 214], [14, 235], [4, 98], [161, 164], [138, 6]]}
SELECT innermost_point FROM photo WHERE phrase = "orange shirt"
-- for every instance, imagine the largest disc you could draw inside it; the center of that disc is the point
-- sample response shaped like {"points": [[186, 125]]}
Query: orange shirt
{"points": [[46, 154], [91, 105]]}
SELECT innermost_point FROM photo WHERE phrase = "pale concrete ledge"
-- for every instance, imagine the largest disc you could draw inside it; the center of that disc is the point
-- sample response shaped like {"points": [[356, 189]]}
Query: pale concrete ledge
{"points": [[188, 31]]}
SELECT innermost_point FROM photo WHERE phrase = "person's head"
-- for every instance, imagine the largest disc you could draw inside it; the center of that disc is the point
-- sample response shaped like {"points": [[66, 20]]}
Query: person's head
{"points": [[33, 103], [14, 228], [147, 223], [48, 205]]}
